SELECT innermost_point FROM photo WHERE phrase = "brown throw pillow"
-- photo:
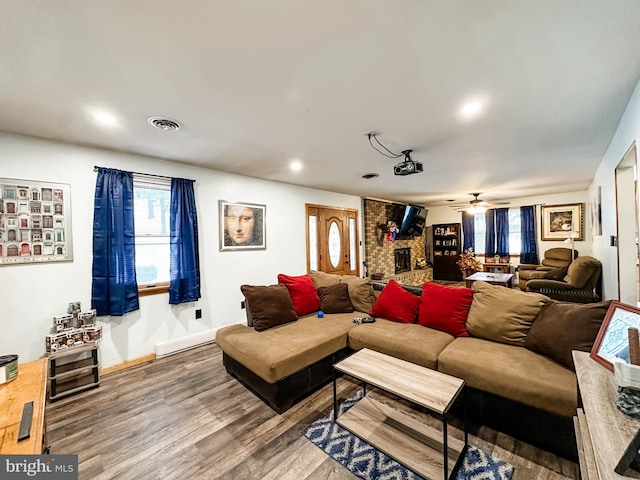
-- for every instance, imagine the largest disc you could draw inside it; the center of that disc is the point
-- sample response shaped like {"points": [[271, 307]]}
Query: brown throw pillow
{"points": [[335, 299], [502, 314], [562, 327], [269, 305], [360, 292]]}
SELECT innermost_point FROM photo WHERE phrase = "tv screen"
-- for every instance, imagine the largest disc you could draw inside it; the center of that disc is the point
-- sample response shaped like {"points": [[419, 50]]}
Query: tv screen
{"points": [[413, 221]]}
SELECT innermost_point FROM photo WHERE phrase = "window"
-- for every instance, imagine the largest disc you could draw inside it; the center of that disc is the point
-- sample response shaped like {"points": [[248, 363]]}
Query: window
{"points": [[480, 229], [151, 207]]}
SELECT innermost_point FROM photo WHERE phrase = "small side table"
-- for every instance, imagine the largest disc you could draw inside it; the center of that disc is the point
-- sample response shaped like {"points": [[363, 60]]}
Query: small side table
{"points": [[496, 267], [77, 372]]}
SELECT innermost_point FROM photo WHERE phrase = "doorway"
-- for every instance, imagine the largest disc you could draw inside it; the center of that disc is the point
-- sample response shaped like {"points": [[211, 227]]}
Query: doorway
{"points": [[332, 240], [627, 228]]}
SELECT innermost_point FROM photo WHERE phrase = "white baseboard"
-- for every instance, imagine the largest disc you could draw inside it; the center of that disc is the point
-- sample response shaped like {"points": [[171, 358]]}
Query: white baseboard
{"points": [[184, 343]]}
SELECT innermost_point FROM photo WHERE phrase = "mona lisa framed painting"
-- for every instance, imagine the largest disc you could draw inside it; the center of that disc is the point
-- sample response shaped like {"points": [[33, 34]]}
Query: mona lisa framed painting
{"points": [[242, 226]]}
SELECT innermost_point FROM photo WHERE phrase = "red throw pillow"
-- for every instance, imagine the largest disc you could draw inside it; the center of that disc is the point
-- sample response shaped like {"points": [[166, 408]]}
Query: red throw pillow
{"points": [[445, 308], [303, 293], [396, 304]]}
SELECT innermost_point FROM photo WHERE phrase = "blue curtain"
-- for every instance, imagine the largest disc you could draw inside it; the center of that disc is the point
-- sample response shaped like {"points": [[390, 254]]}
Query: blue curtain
{"points": [[184, 285], [114, 290], [468, 230], [502, 231], [490, 234], [528, 249]]}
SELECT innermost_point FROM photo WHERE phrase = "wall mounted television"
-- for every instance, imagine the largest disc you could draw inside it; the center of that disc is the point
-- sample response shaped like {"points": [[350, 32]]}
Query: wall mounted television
{"points": [[411, 220]]}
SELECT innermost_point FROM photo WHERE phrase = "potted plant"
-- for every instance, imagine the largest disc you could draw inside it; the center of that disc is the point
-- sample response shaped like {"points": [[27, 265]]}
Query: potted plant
{"points": [[468, 262]]}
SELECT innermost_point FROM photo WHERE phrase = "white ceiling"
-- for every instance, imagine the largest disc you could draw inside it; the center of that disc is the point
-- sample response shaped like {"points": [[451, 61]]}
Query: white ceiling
{"points": [[258, 83]]}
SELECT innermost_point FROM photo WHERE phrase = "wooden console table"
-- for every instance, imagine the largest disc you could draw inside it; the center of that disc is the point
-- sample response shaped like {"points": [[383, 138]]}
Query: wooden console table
{"points": [[29, 386], [496, 267], [602, 431]]}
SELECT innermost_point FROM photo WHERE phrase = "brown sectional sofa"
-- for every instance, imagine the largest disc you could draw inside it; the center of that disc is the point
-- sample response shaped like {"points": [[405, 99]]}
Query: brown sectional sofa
{"points": [[510, 388]]}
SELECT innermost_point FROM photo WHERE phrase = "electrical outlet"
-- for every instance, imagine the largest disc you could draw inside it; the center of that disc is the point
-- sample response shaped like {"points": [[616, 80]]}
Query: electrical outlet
{"points": [[242, 305], [198, 313]]}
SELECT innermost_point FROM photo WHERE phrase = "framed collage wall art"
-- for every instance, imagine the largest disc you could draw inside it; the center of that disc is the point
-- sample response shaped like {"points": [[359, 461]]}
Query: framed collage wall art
{"points": [[242, 226], [35, 222]]}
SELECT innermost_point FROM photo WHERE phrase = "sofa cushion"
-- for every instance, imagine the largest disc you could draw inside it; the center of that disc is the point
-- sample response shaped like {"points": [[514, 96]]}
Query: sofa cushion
{"points": [[511, 372], [322, 279], [396, 304], [562, 327], [335, 299], [445, 308], [411, 342], [503, 314], [303, 293], [283, 350], [360, 292], [268, 305]]}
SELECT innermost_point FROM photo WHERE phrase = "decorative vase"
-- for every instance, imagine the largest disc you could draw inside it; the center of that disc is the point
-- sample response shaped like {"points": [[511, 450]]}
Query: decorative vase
{"points": [[469, 271]]}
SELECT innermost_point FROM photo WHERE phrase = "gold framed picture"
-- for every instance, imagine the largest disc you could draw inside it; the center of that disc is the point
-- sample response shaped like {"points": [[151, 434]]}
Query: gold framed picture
{"points": [[560, 222]]}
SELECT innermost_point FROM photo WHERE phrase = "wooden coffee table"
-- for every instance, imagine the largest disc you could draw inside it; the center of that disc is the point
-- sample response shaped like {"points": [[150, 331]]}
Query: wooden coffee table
{"points": [[419, 447], [503, 279]]}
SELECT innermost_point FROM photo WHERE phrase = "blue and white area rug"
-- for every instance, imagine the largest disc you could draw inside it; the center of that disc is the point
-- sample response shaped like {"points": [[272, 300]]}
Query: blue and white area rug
{"points": [[365, 461]]}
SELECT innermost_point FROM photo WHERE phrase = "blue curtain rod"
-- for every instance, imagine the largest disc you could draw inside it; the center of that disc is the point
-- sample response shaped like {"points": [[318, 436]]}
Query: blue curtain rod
{"points": [[95, 169]]}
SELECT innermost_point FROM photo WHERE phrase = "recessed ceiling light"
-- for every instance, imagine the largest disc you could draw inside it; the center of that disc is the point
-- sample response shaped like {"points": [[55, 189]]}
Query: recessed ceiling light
{"points": [[105, 119], [295, 165], [368, 176], [164, 123], [471, 109]]}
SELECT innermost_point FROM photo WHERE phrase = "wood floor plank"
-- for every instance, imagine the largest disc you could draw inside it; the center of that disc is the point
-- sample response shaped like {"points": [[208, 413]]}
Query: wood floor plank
{"points": [[184, 417], [330, 470]]}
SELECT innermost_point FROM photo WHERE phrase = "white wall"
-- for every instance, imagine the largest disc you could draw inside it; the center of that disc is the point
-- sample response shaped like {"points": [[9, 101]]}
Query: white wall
{"points": [[450, 215], [626, 134], [32, 294]]}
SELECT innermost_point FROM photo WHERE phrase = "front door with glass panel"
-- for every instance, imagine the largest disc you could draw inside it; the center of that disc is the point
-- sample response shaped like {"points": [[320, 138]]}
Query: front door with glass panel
{"points": [[332, 240]]}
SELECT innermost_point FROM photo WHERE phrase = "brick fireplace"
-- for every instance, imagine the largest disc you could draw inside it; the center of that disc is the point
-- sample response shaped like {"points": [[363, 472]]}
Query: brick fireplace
{"points": [[380, 254]]}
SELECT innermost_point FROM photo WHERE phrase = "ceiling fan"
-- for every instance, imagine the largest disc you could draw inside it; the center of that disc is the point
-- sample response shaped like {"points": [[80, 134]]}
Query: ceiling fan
{"points": [[478, 205]]}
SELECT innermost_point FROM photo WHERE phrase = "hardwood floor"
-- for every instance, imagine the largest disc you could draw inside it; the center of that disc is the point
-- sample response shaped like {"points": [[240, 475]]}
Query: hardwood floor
{"points": [[184, 417]]}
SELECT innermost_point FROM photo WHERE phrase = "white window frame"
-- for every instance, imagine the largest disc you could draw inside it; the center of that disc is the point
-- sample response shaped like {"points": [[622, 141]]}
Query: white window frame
{"points": [[145, 182]]}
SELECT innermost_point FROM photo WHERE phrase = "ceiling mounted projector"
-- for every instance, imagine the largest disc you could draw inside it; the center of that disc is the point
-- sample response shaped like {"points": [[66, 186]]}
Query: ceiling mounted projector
{"points": [[408, 166]]}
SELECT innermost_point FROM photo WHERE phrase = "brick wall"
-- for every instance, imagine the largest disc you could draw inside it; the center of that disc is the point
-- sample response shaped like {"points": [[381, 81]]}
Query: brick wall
{"points": [[379, 251]]}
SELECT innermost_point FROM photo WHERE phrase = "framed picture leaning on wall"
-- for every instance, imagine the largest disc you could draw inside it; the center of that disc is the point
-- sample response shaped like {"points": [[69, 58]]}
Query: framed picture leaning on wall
{"points": [[35, 222], [558, 221], [242, 226], [612, 343]]}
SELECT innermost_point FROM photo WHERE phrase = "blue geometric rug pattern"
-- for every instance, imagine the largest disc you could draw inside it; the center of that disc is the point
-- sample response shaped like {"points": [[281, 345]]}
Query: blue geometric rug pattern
{"points": [[366, 462]]}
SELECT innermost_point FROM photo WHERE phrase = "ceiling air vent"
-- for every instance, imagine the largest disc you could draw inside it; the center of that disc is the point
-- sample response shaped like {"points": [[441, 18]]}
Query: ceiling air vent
{"points": [[164, 123]]}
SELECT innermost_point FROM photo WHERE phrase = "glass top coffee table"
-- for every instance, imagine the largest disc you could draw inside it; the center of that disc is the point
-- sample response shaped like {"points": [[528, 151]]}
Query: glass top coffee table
{"points": [[503, 279], [419, 447]]}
